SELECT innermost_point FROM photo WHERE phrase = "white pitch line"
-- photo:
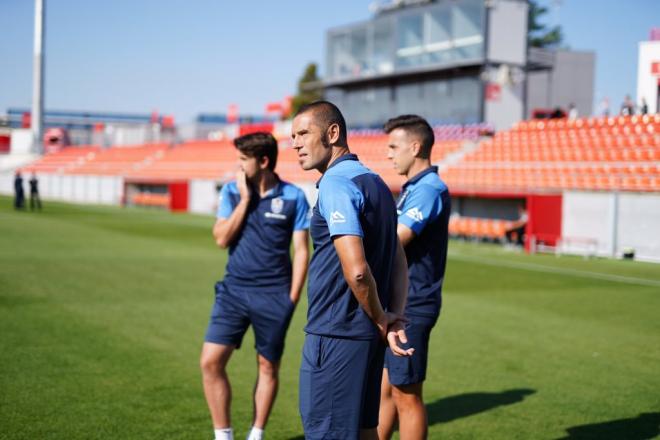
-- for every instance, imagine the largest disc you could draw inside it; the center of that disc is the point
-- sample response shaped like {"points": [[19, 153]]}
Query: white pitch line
{"points": [[559, 270]]}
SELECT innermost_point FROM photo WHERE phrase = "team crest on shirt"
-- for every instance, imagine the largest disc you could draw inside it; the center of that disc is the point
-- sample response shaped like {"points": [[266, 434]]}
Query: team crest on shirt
{"points": [[276, 205], [415, 214]]}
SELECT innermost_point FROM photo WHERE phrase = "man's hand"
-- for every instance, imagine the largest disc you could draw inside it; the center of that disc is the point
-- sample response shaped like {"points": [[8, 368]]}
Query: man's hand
{"points": [[396, 335], [391, 328], [242, 185]]}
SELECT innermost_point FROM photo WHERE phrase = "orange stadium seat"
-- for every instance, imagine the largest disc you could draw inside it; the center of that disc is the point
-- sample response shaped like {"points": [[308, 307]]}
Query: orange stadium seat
{"points": [[558, 154]]}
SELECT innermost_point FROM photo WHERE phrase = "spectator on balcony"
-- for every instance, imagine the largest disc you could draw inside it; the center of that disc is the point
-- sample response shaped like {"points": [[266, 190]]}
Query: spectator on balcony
{"points": [[572, 111], [628, 106], [604, 107], [516, 232], [644, 107]]}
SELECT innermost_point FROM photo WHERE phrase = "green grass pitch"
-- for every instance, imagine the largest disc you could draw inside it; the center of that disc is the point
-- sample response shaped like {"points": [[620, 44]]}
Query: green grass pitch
{"points": [[103, 312]]}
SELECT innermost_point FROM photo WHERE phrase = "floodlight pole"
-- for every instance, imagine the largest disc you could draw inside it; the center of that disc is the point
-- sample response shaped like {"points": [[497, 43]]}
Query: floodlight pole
{"points": [[36, 119]]}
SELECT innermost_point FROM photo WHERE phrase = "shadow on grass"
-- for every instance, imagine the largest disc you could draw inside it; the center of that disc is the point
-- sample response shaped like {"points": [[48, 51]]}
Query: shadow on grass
{"points": [[455, 407], [644, 426], [451, 408]]}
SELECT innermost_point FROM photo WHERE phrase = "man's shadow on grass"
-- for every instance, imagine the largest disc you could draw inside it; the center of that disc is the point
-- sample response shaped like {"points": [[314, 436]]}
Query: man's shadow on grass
{"points": [[451, 408], [644, 426]]}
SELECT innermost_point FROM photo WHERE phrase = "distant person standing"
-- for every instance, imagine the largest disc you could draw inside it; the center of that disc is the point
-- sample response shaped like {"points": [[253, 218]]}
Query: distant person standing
{"points": [[628, 107], [572, 111], [644, 107], [19, 193], [604, 107], [35, 200], [516, 231]]}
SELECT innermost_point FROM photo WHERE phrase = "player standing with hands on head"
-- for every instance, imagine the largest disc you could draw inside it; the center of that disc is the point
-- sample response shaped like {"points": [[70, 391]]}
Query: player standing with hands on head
{"points": [[423, 209], [258, 215], [357, 283]]}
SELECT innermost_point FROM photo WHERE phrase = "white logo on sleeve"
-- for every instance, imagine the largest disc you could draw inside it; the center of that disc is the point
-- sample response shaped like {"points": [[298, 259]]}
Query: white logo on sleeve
{"points": [[415, 214], [337, 217]]}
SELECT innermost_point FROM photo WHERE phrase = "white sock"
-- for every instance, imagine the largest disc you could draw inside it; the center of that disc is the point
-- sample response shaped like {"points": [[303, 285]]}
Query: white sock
{"points": [[224, 434], [255, 434]]}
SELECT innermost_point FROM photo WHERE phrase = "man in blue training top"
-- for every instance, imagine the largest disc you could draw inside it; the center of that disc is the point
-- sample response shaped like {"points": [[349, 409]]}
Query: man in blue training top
{"points": [[357, 283], [423, 208], [258, 214]]}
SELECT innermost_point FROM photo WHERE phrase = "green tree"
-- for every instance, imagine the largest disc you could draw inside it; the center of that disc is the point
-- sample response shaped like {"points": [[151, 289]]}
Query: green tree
{"points": [[538, 34], [309, 88]]}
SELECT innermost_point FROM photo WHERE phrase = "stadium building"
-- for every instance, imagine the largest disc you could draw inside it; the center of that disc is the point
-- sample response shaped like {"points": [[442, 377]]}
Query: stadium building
{"points": [[453, 62]]}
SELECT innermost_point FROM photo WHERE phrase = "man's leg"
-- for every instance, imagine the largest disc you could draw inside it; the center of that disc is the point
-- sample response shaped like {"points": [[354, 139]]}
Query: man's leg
{"points": [[270, 314], [265, 390], [387, 415], [412, 413], [217, 389], [406, 376]]}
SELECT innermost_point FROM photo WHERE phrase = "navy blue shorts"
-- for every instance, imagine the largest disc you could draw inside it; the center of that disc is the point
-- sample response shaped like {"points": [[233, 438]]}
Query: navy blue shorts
{"points": [[409, 370], [236, 308], [340, 386]]}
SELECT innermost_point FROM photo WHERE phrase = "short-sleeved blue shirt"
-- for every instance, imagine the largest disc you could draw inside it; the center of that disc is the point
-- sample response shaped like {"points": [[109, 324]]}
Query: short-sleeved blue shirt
{"points": [[260, 257], [352, 201], [424, 206]]}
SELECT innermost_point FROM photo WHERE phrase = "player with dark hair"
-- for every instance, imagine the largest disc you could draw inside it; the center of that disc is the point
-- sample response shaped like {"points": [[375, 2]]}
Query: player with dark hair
{"points": [[423, 209], [258, 214], [357, 283]]}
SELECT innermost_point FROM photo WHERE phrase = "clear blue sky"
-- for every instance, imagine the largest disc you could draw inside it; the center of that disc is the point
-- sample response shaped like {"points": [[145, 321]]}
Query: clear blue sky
{"points": [[186, 57]]}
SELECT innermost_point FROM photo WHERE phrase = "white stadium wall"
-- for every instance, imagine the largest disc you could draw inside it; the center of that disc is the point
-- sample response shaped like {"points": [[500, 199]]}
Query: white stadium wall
{"points": [[103, 190], [202, 196], [612, 223], [648, 74]]}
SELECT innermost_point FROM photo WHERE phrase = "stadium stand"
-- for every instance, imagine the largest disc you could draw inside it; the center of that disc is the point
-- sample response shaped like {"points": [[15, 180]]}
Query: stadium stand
{"points": [[619, 153], [190, 160], [64, 160], [479, 228], [120, 160]]}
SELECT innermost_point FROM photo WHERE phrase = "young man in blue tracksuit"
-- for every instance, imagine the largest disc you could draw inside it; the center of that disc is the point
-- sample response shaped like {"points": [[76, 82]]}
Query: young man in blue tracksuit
{"points": [[357, 283], [423, 211], [258, 215]]}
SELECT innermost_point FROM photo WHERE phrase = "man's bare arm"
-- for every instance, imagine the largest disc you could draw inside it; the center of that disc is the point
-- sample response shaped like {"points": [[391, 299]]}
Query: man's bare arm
{"points": [[225, 230], [363, 285], [405, 234], [399, 281], [300, 263], [396, 334]]}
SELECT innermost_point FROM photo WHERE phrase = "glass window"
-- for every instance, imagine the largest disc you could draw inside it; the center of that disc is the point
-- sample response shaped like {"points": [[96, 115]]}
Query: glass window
{"points": [[439, 46], [411, 41], [410, 98], [465, 97], [339, 56], [411, 31], [467, 19], [359, 51], [438, 106], [383, 37]]}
